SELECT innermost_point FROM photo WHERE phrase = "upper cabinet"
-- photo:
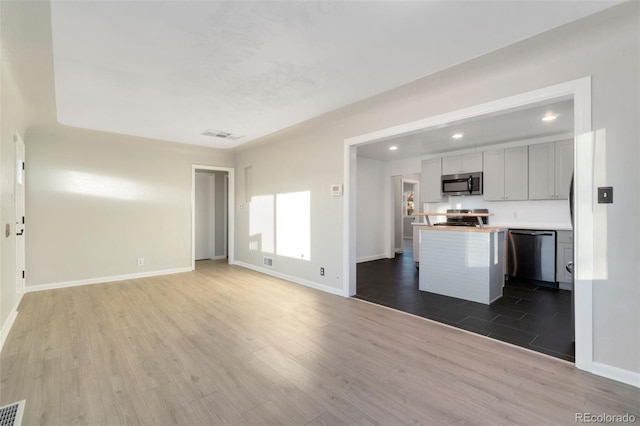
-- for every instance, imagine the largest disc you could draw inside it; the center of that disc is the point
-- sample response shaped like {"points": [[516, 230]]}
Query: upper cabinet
{"points": [[467, 163], [505, 174], [563, 168], [430, 180], [550, 169]]}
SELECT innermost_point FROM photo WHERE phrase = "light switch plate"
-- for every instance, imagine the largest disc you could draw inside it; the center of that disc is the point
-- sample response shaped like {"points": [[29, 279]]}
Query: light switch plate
{"points": [[605, 194]]}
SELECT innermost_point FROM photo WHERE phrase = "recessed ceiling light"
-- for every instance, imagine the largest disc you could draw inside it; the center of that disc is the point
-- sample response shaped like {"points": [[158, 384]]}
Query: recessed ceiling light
{"points": [[393, 148], [549, 116], [457, 135]]}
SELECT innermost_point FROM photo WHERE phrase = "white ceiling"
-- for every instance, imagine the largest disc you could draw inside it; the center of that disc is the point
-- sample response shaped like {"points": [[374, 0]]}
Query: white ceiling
{"points": [[173, 69], [506, 126]]}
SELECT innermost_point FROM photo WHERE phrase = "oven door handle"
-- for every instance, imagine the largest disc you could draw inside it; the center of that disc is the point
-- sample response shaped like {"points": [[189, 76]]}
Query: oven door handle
{"points": [[470, 184], [532, 233]]}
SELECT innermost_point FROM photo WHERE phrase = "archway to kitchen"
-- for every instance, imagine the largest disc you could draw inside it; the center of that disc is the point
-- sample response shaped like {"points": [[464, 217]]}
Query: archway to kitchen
{"points": [[578, 91]]}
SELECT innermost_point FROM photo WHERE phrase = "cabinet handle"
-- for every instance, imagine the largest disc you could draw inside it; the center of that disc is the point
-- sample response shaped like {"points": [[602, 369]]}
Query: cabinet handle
{"points": [[569, 267]]}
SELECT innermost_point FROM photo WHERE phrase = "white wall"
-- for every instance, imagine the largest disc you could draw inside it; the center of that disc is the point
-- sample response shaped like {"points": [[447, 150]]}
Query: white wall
{"points": [[604, 46], [98, 201], [370, 212], [13, 117]]}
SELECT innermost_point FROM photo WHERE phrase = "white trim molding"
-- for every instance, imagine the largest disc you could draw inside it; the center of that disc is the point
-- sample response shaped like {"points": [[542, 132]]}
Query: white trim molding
{"points": [[618, 374], [296, 280], [6, 327], [102, 280]]}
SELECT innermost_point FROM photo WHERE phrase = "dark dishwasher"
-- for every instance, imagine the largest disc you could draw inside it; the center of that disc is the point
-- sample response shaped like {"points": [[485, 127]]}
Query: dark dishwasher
{"points": [[532, 255]]}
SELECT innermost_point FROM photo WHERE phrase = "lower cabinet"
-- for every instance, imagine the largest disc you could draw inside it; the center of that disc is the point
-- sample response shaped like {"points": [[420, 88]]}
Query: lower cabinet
{"points": [[564, 255]]}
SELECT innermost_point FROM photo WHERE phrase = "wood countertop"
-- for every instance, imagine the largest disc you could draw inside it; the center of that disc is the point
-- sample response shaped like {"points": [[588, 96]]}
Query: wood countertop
{"points": [[427, 222], [452, 214], [486, 230]]}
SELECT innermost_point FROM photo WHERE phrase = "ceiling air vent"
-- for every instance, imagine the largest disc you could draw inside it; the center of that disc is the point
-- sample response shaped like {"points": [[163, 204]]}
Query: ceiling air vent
{"points": [[220, 134]]}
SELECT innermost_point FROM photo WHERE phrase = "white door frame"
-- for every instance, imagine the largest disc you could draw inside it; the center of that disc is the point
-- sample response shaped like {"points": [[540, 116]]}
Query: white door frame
{"points": [[580, 90], [230, 216], [19, 209]]}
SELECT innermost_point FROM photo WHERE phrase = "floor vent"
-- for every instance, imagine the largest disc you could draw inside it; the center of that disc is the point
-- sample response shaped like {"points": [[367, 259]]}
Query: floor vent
{"points": [[11, 415], [268, 261]]}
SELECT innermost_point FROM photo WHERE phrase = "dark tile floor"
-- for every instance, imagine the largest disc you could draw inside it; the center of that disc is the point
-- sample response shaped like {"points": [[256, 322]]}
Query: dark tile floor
{"points": [[531, 316]]}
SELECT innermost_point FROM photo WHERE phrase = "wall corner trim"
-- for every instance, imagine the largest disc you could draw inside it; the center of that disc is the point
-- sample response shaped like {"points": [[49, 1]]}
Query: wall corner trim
{"points": [[101, 280], [291, 278], [6, 327], [631, 378]]}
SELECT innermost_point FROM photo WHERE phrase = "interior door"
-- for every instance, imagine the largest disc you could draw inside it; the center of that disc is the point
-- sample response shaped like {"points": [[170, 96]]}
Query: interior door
{"points": [[20, 215]]}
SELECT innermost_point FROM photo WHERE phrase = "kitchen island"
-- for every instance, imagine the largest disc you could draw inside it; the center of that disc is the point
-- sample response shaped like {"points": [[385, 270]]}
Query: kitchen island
{"points": [[462, 262]]}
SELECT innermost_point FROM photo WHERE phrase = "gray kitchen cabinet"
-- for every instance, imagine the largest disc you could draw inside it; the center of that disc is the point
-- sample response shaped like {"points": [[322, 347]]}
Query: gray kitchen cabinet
{"points": [[550, 169], [467, 163], [493, 175], [505, 174], [563, 168], [430, 181], [564, 254]]}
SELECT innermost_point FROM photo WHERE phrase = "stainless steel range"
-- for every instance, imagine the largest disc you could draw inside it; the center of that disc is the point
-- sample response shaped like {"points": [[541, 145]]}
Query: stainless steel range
{"points": [[464, 220]]}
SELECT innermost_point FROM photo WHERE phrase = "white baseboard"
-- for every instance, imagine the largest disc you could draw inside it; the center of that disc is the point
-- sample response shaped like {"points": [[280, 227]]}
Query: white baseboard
{"points": [[306, 283], [65, 284], [220, 257], [618, 374], [6, 327], [370, 258]]}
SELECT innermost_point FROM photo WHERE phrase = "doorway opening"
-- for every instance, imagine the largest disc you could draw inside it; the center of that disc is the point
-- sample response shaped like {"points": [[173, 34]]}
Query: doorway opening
{"points": [[212, 224], [579, 92]]}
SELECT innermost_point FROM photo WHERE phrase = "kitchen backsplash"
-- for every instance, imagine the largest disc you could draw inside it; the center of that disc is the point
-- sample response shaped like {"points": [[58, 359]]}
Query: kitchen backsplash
{"points": [[552, 214]]}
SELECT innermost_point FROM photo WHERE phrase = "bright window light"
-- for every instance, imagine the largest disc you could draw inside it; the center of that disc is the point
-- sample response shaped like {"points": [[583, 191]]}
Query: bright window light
{"points": [[96, 185], [293, 225], [261, 220]]}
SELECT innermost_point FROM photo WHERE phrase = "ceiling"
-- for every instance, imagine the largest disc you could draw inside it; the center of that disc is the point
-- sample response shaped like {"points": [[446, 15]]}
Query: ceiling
{"points": [[173, 70], [513, 125]]}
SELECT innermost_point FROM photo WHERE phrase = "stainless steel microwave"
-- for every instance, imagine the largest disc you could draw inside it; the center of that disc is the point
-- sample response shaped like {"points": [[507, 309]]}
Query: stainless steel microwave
{"points": [[462, 184]]}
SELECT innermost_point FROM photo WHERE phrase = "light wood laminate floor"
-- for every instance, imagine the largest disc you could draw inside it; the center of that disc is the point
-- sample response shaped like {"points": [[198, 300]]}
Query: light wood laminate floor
{"points": [[226, 345]]}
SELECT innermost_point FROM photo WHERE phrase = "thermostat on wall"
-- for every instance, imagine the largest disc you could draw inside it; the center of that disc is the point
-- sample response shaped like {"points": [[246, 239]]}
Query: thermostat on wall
{"points": [[336, 189]]}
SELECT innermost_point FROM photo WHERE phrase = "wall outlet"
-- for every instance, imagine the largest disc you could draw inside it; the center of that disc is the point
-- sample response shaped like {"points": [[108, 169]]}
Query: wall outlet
{"points": [[322, 272], [141, 261]]}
